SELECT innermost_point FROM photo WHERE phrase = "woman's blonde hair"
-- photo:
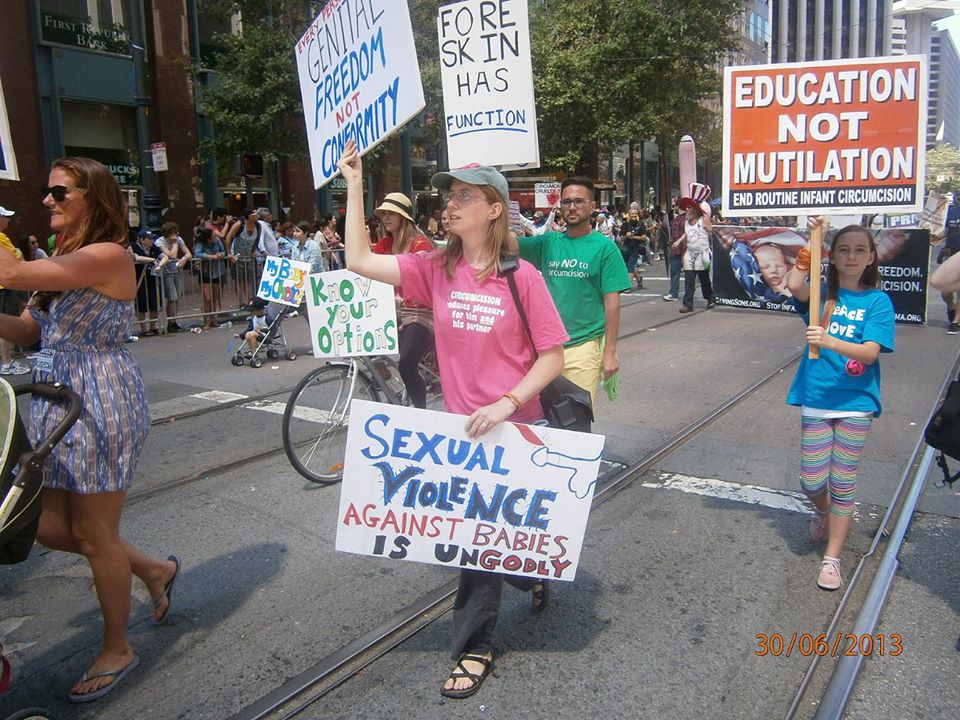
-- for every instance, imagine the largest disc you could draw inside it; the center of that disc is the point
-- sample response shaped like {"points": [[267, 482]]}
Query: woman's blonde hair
{"points": [[404, 238], [498, 233]]}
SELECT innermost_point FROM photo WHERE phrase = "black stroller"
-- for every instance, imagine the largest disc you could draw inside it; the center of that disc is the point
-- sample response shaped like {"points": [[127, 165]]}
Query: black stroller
{"points": [[272, 341], [21, 484]]}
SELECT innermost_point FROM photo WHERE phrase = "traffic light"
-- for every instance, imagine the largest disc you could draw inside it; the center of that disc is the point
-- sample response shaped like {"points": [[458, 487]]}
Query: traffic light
{"points": [[251, 165]]}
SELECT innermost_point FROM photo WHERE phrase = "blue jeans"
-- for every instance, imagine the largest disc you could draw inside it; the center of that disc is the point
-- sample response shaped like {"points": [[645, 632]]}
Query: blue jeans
{"points": [[676, 263]]}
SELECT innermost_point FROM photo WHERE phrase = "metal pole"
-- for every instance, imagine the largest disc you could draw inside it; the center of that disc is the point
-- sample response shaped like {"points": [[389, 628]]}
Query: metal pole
{"points": [[406, 163], [845, 674], [212, 197], [151, 201]]}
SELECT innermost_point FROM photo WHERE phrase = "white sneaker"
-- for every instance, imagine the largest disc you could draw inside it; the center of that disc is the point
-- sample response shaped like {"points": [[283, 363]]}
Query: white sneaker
{"points": [[14, 368]]}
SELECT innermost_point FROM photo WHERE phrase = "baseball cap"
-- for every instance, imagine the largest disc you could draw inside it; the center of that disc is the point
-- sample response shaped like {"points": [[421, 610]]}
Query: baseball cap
{"points": [[257, 303], [5, 213], [475, 175], [145, 233]]}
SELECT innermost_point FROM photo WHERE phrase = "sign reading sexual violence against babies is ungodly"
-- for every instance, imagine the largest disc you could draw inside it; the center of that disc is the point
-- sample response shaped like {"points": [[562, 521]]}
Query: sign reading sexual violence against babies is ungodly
{"points": [[515, 500], [838, 136], [359, 78]]}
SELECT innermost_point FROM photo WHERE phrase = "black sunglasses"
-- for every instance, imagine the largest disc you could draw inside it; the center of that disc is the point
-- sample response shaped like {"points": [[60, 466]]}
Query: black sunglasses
{"points": [[59, 192]]}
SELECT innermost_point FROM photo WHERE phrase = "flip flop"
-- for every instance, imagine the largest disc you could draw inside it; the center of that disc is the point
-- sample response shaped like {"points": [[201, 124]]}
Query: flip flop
{"points": [[461, 672], [540, 596], [117, 676], [167, 592]]}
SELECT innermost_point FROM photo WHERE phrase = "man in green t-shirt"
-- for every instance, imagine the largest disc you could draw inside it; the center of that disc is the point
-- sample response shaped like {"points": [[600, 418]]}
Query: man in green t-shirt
{"points": [[585, 274]]}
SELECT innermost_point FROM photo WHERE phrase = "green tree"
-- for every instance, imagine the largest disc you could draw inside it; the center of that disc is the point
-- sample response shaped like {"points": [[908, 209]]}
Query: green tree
{"points": [[943, 168], [254, 104], [611, 71]]}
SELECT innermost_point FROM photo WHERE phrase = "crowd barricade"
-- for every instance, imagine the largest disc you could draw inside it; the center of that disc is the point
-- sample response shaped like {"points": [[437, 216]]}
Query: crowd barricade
{"points": [[206, 289]]}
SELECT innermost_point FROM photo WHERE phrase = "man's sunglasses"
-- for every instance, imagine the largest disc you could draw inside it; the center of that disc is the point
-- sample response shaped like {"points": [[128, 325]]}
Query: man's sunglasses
{"points": [[59, 192]]}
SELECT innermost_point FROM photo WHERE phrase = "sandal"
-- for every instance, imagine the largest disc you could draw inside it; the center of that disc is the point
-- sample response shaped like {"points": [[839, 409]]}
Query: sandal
{"points": [[461, 672], [540, 596]]}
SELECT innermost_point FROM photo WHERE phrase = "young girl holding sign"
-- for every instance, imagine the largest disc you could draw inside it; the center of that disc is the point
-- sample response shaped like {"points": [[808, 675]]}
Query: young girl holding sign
{"points": [[487, 368], [839, 394]]}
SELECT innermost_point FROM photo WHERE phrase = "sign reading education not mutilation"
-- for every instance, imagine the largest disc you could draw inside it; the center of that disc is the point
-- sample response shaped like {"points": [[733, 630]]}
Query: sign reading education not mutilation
{"points": [[415, 487], [487, 77], [351, 315], [359, 78], [836, 136]]}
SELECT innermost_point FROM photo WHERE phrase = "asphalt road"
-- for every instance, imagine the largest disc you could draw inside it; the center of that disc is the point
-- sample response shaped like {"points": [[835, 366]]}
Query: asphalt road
{"points": [[663, 617]]}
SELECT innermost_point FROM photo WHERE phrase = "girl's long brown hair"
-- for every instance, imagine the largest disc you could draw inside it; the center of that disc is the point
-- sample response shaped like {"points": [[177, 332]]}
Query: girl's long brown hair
{"points": [[869, 278], [104, 221], [403, 239], [498, 233]]}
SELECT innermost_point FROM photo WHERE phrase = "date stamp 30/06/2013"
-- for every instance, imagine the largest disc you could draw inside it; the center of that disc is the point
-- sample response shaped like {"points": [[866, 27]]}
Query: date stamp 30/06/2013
{"points": [[834, 645]]}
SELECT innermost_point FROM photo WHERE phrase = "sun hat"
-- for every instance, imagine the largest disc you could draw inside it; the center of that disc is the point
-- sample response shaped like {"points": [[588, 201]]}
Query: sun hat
{"points": [[538, 214], [473, 175], [398, 203], [6, 213]]}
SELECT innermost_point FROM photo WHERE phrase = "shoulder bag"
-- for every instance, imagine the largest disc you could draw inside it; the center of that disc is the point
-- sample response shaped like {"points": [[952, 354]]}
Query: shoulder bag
{"points": [[943, 431], [565, 404]]}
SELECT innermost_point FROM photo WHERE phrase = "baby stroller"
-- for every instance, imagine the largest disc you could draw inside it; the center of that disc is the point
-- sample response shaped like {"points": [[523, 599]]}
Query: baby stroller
{"points": [[272, 342], [21, 483]]}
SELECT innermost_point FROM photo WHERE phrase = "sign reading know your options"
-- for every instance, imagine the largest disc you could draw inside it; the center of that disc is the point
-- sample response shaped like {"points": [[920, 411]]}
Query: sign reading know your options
{"points": [[415, 487], [359, 78], [487, 76], [824, 137], [283, 281], [351, 315]]}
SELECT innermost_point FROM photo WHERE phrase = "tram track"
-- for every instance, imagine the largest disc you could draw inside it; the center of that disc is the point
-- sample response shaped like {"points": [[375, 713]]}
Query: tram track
{"points": [[221, 407], [300, 692]]}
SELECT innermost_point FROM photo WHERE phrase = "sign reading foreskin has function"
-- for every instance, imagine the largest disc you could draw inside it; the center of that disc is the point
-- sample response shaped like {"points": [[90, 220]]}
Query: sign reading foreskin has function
{"points": [[487, 81], [824, 137], [359, 78]]}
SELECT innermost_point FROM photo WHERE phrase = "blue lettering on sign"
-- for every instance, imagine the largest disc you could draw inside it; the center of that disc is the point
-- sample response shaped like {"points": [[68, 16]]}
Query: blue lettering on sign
{"points": [[375, 121]]}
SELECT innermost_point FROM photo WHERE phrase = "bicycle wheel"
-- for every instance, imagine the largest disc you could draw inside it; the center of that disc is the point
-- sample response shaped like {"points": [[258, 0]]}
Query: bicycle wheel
{"points": [[316, 418]]}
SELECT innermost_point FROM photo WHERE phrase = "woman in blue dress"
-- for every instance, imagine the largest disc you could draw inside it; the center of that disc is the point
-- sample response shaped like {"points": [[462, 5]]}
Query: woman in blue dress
{"points": [[82, 313]]}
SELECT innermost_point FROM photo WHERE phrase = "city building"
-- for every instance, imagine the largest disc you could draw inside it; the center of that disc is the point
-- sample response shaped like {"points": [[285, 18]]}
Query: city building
{"points": [[803, 30], [915, 33]]}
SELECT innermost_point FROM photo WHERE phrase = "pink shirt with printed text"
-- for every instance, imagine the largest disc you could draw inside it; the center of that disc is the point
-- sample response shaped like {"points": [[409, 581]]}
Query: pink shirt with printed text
{"points": [[482, 349]]}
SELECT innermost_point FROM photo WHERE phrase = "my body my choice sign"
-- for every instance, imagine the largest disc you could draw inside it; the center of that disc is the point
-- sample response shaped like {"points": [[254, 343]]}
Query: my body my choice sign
{"points": [[359, 78], [415, 487], [824, 137]]}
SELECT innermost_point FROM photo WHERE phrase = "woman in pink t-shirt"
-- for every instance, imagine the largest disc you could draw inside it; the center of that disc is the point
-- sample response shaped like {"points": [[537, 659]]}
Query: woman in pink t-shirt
{"points": [[488, 370]]}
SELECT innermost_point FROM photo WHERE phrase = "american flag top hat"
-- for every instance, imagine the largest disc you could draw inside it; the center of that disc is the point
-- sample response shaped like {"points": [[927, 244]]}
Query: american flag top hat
{"points": [[698, 195]]}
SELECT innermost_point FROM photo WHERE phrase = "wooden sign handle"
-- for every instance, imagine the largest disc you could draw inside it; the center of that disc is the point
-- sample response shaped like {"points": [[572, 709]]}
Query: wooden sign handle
{"points": [[816, 241]]}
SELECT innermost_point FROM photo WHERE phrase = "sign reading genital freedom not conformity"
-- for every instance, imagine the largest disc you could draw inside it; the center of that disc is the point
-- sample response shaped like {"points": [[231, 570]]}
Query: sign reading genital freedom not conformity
{"points": [[820, 137]]}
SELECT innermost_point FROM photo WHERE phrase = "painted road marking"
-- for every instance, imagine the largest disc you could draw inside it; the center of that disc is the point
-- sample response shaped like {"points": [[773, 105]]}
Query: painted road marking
{"points": [[750, 494]]}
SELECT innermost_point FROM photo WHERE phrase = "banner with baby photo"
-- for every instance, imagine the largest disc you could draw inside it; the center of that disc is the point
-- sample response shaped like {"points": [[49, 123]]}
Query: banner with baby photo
{"points": [[515, 500], [750, 264]]}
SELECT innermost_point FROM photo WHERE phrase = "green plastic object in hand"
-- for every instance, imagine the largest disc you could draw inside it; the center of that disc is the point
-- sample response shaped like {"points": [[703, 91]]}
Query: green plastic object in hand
{"points": [[612, 385]]}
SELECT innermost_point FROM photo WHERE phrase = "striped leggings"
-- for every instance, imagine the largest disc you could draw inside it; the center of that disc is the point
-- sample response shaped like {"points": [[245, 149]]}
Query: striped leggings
{"points": [[829, 456]]}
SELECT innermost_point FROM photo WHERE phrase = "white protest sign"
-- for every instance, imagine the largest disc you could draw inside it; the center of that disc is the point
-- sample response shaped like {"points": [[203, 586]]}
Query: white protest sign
{"points": [[351, 315], [487, 77], [415, 487], [283, 281], [359, 78], [546, 195]]}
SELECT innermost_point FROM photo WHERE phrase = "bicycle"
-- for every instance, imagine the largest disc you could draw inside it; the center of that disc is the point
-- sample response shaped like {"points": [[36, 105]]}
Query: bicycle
{"points": [[317, 414]]}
